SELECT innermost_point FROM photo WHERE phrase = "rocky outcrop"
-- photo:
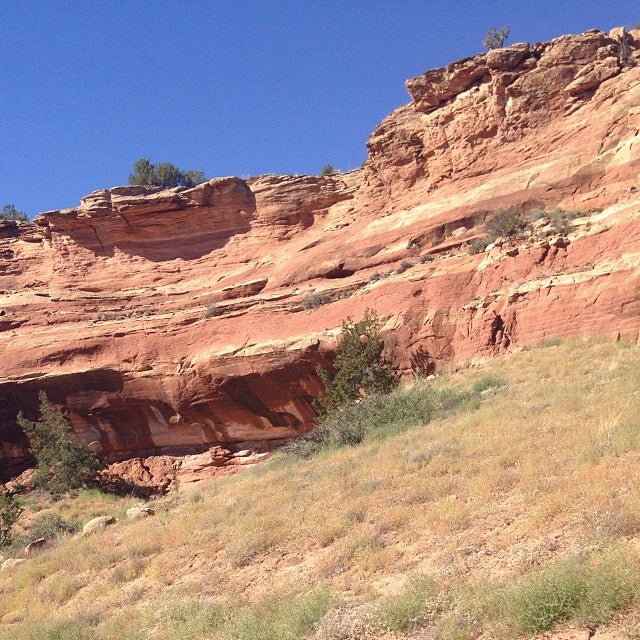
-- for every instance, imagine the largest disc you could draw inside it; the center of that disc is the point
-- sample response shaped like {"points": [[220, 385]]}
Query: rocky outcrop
{"points": [[171, 321]]}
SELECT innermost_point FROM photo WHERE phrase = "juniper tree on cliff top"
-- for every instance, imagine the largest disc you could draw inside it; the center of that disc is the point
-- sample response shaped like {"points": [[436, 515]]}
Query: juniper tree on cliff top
{"points": [[163, 174]]}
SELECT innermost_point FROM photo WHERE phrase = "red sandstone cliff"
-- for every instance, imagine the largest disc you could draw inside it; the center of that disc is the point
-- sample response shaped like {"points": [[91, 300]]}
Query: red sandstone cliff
{"points": [[105, 306]]}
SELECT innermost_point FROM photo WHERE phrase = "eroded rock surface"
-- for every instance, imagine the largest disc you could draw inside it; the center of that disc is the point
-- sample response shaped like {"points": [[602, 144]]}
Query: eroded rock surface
{"points": [[171, 321]]}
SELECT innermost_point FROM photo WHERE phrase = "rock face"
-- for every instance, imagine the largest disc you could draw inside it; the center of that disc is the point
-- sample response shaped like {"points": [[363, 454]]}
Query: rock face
{"points": [[173, 321]]}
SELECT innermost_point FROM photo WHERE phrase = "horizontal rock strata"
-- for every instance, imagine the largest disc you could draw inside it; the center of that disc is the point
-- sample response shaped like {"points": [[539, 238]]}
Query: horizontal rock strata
{"points": [[168, 320]]}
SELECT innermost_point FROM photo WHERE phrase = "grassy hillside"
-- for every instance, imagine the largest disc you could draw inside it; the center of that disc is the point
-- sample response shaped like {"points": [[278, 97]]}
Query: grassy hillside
{"points": [[515, 509]]}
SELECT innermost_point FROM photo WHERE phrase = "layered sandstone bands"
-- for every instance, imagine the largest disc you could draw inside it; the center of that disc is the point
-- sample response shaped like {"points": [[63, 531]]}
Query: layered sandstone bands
{"points": [[175, 320]]}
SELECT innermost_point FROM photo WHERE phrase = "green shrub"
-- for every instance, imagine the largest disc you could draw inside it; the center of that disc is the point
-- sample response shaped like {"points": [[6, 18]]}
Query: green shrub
{"points": [[213, 311], [489, 381], [575, 589], [478, 245], [561, 221], [9, 212], [51, 525], [403, 611], [496, 39], [328, 170], [163, 174], [314, 300], [550, 596], [551, 342], [361, 366], [503, 223], [374, 277], [404, 266], [62, 463], [377, 417], [10, 511]]}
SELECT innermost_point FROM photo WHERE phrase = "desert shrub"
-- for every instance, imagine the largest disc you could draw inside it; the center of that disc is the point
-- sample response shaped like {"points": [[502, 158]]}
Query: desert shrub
{"points": [[282, 616], [489, 381], [478, 245], [374, 277], [551, 342], [496, 39], [163, 174], [536, 214], [377, 417], [573, 589], [10, 511], [213, 311], [361, 366], [404, 266], [503, 223], [328, 170], [403, 610], [62, 463], [541, 600], [426, 257], [9, 212], [51, 525], [314, 300], [562, 221]]}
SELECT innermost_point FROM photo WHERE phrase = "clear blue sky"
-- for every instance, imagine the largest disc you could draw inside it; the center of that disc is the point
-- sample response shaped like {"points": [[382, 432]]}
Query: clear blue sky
{"points": [[229, 87]]}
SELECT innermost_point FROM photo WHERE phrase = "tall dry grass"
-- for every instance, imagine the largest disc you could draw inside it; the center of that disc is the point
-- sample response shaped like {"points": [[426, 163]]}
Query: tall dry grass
{"points": [[457, 526]]}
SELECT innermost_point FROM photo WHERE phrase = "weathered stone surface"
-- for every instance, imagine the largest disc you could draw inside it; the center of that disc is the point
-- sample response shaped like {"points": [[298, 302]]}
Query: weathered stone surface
{"points": [[137, 513], [507, 58], [592, 75], [36, 546], [96, 525], [103, 306]]}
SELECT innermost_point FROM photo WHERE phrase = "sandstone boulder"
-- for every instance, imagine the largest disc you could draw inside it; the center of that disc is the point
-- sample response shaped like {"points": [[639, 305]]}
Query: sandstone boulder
{"points": [[36, 546], [137, 513], [95, 525], [11, 563]]}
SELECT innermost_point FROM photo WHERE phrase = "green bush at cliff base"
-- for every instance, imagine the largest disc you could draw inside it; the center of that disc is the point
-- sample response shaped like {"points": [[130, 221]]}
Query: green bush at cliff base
{"points": [[361, 366], [379, 416], [62, 463], [10, 511]]}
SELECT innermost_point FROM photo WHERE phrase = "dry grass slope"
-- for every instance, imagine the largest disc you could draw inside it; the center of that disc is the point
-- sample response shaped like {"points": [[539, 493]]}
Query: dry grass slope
{"points": [[504, 517]]}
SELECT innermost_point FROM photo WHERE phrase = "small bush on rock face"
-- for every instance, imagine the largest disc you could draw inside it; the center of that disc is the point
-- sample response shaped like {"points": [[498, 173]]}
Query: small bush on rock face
{"points": [[62, 463], [213, 311], [503, 223], [478, 245], [404, 266], [314, 300]]}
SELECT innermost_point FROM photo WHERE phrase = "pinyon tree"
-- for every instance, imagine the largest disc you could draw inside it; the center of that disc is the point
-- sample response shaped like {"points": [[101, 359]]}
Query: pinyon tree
{"points": [[163, 174], [62, 463]]}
